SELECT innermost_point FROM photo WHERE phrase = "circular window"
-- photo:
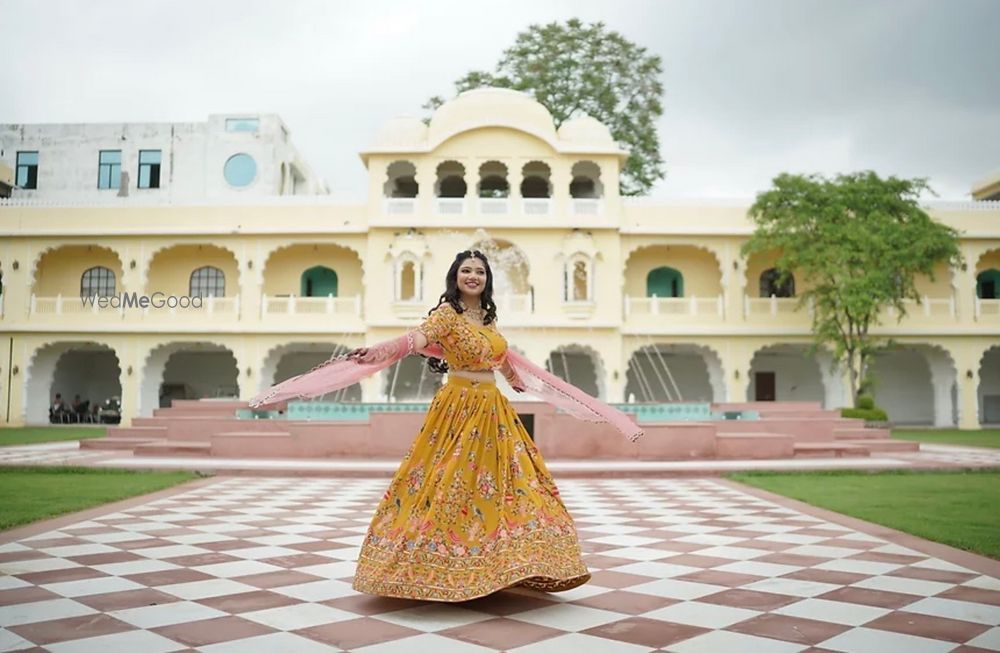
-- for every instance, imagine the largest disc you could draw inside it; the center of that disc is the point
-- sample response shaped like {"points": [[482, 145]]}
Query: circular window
{"points": [[240, 170]]}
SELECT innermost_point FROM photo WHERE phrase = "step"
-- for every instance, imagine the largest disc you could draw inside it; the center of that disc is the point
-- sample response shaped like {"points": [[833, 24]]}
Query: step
{"points": [[838, 449], [860, 434], [753, 445], [768, 405], [221, 411], [171, 449], [117, 443], [886, 444], [155, 432], [803, 413], [254, 444], [208, 404]]}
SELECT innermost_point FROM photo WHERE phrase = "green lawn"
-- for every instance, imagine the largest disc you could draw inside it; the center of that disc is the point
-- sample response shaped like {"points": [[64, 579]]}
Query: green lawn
{"points": [[955, 508], [35, 434], [982, 438], [28, 494]]}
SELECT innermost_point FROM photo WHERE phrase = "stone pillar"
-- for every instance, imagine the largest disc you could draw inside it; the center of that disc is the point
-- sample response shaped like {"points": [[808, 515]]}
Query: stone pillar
{"points": [[561, 177], [967, 360], [964, 282], [942, 380], [426, 177], [131, 358], [734, 283], [736, 360], [251, 262]]}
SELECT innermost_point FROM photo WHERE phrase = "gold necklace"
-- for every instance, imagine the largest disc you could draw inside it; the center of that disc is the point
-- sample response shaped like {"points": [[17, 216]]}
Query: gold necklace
{"points": [[474, 313]]}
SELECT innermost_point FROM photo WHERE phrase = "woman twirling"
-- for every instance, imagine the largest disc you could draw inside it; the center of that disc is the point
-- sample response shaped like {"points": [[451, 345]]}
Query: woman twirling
{"points": [[472, 508]]}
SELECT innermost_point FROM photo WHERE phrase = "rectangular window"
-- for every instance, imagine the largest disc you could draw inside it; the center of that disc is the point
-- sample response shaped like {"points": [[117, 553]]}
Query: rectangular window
{"points": [[242, 124], [27, 170], [149, 168], [109, 169]]}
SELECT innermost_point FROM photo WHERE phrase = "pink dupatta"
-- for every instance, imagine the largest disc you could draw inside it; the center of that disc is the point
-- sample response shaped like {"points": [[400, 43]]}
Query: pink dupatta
{"points": [[340, 372]]}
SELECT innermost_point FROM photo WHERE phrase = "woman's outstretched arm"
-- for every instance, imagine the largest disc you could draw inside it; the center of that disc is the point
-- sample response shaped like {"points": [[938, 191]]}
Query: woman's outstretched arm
{"points": [[407, 343]]}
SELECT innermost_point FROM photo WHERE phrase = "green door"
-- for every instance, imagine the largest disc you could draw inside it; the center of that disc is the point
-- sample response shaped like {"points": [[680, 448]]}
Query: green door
{"points": [[319, 281], [665, 282], [988, 284]]}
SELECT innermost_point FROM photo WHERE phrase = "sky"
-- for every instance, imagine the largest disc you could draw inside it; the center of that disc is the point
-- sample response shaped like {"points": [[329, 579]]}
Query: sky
{"points": [[752, 88]]}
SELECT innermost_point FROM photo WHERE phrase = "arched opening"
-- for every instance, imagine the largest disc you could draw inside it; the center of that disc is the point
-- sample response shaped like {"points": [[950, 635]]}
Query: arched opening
{"points": [[86, 369], [577, 285], [903, 385], [97, 281], [664, 282], [579, 366], [988, 284], [188, 370], [535, 183], [493, 181], [207, 281], [285, 361], [408, 282], [989, 387], [586, 181], [662, 372], [319, 281], [401, 180], [771, 284], [786, 373], [450, 180], [509, 264], [410, 380]]}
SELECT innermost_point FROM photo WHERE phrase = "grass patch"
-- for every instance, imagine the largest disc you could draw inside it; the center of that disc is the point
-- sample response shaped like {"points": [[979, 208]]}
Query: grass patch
{"points": [[982, 438], [36, 434], [954, 508], [28, 494]]}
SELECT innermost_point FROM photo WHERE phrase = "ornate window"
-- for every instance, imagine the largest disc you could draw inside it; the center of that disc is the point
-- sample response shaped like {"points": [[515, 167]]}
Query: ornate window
{"points": [[98, 281], [208, 281]]}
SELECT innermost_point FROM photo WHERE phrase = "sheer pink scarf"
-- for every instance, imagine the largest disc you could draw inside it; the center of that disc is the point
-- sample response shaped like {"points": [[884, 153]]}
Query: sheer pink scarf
{"points": [[340, 372]]}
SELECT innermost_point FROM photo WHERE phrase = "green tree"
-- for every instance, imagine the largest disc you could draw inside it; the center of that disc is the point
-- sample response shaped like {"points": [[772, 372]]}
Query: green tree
{"points": [[575, 69], [859, 242]]}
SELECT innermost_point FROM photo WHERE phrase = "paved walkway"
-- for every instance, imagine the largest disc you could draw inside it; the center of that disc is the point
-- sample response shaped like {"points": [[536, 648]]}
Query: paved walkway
{"points": [[69, 453], [245, 564]]}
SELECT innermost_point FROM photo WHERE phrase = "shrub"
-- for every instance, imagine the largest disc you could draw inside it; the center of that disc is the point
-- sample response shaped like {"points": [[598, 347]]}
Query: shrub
{"points": [[867, 414], [865, 402]]}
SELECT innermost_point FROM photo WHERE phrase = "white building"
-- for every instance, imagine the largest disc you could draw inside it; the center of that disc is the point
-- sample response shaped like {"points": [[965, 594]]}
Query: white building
{"points": [[228, 157]]}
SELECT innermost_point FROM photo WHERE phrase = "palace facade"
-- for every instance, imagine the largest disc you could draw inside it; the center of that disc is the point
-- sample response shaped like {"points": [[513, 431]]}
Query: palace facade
{"points": [[154, 262]]}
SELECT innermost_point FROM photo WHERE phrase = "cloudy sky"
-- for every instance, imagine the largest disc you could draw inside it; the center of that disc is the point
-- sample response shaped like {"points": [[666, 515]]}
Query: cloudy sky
{"points": [[752, 88]]}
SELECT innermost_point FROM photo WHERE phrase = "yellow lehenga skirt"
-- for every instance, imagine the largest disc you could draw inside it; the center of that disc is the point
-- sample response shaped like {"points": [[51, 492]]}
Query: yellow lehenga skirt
{"points": [[471, 510]]}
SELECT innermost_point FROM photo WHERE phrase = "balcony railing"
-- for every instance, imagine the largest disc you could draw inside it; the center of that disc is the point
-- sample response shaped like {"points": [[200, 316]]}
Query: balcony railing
{"points": [[536, 206], [587, 206], [292, 305], [75, 305], [771, 305], [988, 309], [449, 205], [494, 206], [708, 306], [927, 306], [400, 206]]}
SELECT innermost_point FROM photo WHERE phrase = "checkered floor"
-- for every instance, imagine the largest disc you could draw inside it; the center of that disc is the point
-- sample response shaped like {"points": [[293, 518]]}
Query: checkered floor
{"points": [[264, 564]]}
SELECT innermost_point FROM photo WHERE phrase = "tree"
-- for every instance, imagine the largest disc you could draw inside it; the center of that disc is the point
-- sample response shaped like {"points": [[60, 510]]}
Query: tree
{"points": [[859, 242], [576, 69]]}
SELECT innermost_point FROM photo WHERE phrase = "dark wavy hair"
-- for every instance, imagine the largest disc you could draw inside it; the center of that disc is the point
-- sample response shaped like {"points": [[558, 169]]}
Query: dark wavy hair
{"points": [[452, 295]]}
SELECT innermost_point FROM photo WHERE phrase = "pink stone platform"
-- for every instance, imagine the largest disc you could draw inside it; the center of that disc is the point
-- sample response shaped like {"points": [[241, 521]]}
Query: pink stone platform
{"points": [[785, 430]]}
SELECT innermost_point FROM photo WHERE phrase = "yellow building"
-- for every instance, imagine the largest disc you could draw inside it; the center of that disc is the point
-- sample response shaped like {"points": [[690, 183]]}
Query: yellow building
{"points": [[632, 300]]}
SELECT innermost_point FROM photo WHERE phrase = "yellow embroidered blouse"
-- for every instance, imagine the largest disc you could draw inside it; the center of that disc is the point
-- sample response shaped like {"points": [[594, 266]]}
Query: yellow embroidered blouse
{"points": [[467, 346]]}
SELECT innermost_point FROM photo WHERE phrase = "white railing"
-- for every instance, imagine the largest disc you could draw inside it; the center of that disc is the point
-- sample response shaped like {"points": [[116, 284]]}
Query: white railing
{"points": [[586, 206], [536, 206], [987, 308], [292, 305], [75, 305], [400, 206], [494, 206], [927, 306], [709, 306], [449, 205], [771, 305]]}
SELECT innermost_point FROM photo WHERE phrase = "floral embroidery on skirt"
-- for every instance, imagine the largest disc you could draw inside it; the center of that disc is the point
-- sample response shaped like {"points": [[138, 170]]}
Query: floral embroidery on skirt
{"points": [[471, 510]]}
